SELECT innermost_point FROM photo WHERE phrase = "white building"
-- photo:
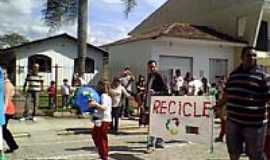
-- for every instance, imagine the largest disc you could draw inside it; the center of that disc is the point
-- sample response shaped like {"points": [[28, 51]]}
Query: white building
{"points": [[60, 50], [196, 49], [198, 36]]}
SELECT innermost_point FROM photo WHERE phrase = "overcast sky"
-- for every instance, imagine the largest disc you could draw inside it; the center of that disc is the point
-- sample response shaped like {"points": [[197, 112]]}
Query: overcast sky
{"points": [[107, 21]]}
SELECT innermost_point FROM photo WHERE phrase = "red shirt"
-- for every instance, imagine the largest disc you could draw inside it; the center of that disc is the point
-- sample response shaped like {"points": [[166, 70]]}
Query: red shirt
{"points": [[51, 91]]}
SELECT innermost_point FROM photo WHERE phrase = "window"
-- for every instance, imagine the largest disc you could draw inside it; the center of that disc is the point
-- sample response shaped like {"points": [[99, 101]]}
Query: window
{"points": [[217, 68], [45, 63], [262, 40], [89, 65], [242, 22], [167, 65]]}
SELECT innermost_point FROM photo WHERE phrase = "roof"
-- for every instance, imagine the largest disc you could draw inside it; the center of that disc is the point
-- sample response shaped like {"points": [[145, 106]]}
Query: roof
{"points": [[64, 35], [180, 30]]}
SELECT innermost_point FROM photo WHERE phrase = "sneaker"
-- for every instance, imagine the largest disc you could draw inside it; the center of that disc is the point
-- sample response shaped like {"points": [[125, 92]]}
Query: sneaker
{"points": [[218, 139], [22, 119], [160, 146], [11, 150], [34, 119], [149, 150]]}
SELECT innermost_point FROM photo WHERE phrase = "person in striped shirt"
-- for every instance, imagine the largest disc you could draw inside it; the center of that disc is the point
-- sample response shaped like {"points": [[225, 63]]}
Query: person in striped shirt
{"points": [[34, 84], [246, 94]]}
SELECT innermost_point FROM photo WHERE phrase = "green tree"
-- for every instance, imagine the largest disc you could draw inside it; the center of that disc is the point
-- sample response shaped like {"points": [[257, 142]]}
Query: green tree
{"points": [[11, 40], [59, 12], [129, 5]]}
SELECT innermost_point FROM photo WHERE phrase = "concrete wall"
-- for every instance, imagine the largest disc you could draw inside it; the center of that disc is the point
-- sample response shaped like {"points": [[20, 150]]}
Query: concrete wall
{"points": [[62, 51], [200, 53], [135, 55]]}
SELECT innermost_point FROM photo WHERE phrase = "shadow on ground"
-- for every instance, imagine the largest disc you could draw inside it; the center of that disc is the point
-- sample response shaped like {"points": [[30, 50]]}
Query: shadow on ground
{"points": [[118, 156], [77, 131], [112, 148], [167, 142]]}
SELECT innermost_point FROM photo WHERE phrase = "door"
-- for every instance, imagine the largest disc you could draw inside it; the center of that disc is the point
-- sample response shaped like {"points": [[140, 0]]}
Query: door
{"points": [[168, 64], [217, 69]]}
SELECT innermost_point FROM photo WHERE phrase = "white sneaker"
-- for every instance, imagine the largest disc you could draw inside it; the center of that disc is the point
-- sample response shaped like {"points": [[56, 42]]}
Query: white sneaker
{"points": [[34, 119], [22, 119]]}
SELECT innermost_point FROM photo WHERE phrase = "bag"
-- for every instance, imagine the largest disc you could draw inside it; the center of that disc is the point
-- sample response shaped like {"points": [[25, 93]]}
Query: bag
{"points": [[10, 110]]}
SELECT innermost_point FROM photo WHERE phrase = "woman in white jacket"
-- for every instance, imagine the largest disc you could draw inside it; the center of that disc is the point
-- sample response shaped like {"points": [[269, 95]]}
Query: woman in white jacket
{"points": [[117, 91]]}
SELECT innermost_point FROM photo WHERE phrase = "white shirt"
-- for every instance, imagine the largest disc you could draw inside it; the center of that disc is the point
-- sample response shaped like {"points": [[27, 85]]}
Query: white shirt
{"points": [[117, 94], [197, 84], [65, 89], [105, 116], [178, 83], [125, 81]]}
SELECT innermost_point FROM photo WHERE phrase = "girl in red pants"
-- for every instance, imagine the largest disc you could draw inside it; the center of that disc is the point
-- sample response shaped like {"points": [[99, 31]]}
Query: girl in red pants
{"points": [[102, 125]]}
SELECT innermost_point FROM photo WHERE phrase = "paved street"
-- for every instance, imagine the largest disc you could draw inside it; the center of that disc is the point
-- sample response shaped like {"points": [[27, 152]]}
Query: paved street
{"points": [[70, 139]]}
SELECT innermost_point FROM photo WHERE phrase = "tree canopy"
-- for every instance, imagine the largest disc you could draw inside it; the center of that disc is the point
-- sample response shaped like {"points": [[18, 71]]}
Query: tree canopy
{"points": [[59, 12], [11, 40]]}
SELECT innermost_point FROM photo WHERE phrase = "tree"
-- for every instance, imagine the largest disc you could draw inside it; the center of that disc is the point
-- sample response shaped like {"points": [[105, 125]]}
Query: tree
{"points": [[11, 40], [59, 12], [129, 5]]}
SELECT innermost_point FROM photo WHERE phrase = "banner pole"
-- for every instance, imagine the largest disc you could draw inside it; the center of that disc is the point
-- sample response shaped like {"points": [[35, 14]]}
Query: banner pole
{"points": [[211, 110], [148, 128]]}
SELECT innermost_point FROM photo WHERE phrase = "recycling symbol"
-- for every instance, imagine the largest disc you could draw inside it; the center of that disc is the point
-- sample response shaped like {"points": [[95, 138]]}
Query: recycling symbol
{"points": [[172, 125]]}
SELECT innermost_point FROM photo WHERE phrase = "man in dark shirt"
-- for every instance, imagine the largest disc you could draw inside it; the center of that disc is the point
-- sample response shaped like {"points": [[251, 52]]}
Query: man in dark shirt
{"points": [[155, 86], [246, 93]]}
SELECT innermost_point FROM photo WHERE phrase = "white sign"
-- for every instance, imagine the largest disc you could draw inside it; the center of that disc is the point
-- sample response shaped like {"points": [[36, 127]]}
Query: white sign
{"points": [[184, 118]]}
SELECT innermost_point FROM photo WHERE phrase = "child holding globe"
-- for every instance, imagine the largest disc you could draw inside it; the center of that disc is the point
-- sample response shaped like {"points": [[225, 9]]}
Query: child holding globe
{"points": [[102, 127]]}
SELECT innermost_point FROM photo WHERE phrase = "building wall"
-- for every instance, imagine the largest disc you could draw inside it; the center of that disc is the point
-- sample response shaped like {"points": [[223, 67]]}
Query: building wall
{"points": [[137, 54], [134, 54], [198, 51], [63, 51], [221, 15]]}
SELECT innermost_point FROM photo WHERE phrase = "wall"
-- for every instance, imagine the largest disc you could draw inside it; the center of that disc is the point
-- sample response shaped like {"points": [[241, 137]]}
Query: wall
{"points": [[198, 51], [62, 51], [134, 54], [137, 54]]}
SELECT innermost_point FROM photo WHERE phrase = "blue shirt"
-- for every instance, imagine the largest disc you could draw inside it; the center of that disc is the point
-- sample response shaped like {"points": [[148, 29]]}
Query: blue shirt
{"points": [[2, 103]]}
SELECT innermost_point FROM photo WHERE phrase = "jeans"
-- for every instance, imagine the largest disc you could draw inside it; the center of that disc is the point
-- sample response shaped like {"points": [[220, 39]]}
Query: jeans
{"points": [[253, 137], [267, 147], [8, 136], [125, 108], [31, 104], [52, 102], [115, 118], [65, 100]]}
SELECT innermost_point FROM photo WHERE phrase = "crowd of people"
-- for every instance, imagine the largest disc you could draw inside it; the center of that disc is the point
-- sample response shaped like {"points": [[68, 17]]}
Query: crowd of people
{"points": [[242, 104]]}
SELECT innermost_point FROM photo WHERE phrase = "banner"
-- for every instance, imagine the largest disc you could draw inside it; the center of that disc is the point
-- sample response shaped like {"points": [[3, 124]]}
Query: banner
{"points": [[186, 118]]}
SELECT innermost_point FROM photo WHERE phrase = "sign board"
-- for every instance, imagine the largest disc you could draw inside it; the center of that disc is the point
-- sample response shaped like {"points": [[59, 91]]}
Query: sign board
{"points": [[187, 118]]}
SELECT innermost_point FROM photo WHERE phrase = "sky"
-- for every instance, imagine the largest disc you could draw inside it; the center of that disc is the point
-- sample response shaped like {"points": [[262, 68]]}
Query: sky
{"points": [[107, 21]]}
